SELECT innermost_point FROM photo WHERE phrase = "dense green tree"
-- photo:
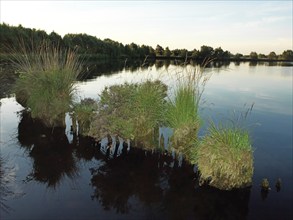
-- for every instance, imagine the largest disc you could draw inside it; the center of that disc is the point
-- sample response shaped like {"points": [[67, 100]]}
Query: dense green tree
{"points": [[253, 55], [238, 56], [183, 53], [55, 38], [145, 50], [261, 56], [175, 53], [152, 52], [272, 56], [218, 52], [205, 52], [287, 55], [15, 38], [159, 50], [167, 52], [133, 50], [194, 53]]}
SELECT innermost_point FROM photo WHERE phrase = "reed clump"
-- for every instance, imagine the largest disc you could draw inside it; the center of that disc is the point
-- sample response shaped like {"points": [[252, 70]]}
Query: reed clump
{"points": [[182, 112], [46, 81], [225, 157]]}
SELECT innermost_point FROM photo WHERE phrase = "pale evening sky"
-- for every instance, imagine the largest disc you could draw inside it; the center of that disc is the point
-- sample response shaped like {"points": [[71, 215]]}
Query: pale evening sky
{"points": [[237, 26]]}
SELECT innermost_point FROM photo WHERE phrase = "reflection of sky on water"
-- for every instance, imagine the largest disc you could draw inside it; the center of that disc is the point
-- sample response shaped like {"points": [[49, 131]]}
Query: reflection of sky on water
{"points": [[269, 87], [93, 88], [8, 121], [265, 86]]}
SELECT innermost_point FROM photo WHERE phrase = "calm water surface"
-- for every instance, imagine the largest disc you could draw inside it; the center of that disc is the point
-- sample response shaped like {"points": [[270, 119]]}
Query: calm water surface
{"points": [[74, 178]]}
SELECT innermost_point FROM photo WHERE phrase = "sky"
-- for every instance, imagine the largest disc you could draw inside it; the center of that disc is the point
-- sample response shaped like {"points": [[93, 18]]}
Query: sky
{"points": [[236, 26]]}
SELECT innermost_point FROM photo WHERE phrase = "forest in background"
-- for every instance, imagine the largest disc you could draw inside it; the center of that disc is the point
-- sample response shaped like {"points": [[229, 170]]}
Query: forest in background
{"points": [[12, 38]]}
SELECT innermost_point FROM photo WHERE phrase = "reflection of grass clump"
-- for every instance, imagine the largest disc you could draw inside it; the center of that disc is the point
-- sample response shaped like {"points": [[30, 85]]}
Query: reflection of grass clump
{"points": [[45, 83], [131, 111], [225, 158]]}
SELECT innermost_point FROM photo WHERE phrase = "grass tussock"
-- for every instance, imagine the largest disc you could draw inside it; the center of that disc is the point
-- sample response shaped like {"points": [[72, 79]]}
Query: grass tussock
{"points": [[182, 110], [225, 158], [46, 81], [131, 111]]}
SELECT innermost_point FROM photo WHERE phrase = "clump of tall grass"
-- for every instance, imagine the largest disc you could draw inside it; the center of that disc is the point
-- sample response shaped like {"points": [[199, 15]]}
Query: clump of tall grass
{"points": [[182, 113], [46, 81], [225, 157], [182, 116], [131, 111], [149, 106]]}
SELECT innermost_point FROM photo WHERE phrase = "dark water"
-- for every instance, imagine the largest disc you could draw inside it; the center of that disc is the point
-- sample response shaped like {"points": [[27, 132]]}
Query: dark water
{"points": [[55, 175]]}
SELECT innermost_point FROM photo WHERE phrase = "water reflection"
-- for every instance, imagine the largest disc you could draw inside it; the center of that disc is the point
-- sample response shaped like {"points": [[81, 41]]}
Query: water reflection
{"points": [[107, 67], [50, 150], [215, 204], [138, 181], [6, 177], [157, 181], [136, 174]]}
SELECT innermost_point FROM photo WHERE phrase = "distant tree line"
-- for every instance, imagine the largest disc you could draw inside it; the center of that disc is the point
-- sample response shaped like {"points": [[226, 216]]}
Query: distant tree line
{"points": [[90, 46]]}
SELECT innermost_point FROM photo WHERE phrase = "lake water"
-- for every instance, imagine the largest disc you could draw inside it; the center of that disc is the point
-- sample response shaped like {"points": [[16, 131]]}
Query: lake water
{"points": [[74, 179]]}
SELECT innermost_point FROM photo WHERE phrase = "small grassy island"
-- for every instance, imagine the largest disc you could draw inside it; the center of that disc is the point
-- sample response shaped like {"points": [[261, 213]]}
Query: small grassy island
{"points": [[135, 112]]}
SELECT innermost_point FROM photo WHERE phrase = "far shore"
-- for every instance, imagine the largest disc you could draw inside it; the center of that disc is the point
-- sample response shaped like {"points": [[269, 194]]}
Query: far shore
{"points": [[101, 57]]}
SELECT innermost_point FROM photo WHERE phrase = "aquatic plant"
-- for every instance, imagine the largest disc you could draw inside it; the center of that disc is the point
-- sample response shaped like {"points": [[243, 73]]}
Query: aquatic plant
{"points": [[149, 106], [114, 112], [131, 111], [182, 116], [265, 185], [225, 157], [46, 81], [182, 110]]}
